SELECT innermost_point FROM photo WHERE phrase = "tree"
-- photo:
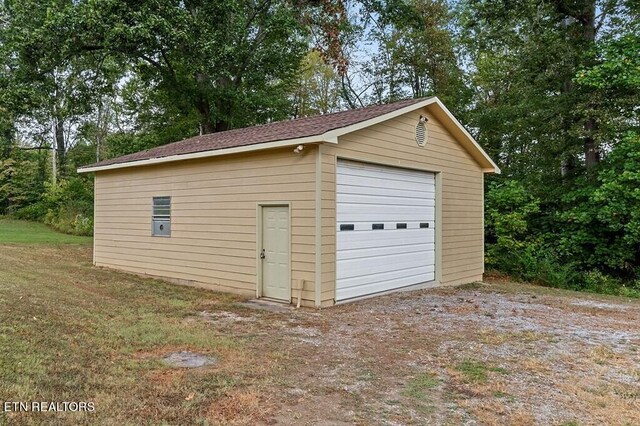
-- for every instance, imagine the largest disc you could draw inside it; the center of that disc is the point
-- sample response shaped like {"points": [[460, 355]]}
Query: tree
{"points": [[45, 90], [416, 56], [599, 224], [318, 87], [525, 55], [612, 77], [232, 61], [556, 89]]}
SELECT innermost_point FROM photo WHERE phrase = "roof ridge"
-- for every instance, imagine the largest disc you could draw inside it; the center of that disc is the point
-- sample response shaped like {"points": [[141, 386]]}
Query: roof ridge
{"points": [[313, 117]]}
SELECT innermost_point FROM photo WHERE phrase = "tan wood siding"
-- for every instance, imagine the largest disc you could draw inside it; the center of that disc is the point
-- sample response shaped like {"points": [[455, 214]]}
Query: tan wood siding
{"points": [[213, 218], [393, 143]]}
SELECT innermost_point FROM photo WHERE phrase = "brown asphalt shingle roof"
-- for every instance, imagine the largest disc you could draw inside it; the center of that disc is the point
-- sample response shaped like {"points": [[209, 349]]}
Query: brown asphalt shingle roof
{"points": [[281, 130]]}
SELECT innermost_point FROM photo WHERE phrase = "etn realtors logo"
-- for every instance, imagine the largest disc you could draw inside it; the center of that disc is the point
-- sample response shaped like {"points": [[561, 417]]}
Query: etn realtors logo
{"points": [[47, 406]]}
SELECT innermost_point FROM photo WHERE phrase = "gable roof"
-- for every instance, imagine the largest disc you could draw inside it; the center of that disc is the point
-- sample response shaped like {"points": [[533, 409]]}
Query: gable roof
{"points": [[321, 128]]}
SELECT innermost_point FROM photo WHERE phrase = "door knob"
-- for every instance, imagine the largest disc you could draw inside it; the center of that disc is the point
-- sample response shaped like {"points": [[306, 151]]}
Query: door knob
{"points": [[262, 256]]}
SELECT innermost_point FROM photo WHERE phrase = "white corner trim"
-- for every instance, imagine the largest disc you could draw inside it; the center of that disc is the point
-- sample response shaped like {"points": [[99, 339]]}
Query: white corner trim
{"points": [[318, 229]]}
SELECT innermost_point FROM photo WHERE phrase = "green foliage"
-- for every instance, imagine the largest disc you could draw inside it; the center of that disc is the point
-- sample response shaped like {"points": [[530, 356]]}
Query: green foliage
{"points": [[317, 89], [600, 224], [70, 206], [512, 247], [231, 61], [508, 210], [598, 282], [618, 65], [417, 55], [556, 103], [22, 182], [588, 240]]}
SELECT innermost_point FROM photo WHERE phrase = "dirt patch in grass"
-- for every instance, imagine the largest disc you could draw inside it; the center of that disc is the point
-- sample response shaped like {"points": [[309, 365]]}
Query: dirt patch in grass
{"points": [[492, 353]]}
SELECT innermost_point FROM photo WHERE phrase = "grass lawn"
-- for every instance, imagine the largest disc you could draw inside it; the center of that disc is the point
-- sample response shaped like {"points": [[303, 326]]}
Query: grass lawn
{"points": [[501, 353], [70, 332], [23, 232]]}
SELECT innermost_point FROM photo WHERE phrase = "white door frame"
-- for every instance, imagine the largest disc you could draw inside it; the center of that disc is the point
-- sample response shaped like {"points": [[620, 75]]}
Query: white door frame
{"points": [[259, 212]]}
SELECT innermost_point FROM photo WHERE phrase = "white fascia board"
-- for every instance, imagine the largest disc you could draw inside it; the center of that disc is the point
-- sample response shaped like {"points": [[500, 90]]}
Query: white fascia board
{"points": [[471, 139], [211, 153], [368, 123]]}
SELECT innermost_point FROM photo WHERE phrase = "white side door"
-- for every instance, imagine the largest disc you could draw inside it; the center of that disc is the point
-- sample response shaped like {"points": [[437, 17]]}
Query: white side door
{"points": [[275, 256]]}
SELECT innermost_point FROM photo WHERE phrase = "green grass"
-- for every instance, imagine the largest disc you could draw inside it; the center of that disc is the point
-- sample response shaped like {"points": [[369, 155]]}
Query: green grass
{"points": [[504, 395], [70, 332], [23, 232], [477, 372], [419, 389], [418, 386]]}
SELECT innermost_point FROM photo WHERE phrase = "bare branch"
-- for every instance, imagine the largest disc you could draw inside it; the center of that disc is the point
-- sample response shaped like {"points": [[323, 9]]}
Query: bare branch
{"points": [[608, 8]]}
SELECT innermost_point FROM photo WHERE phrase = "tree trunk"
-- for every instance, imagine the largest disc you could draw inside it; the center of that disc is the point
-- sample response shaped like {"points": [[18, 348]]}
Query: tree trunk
{"points": [[591, 150], [222, 126], [60, 145], [206, 126], [583, 14]]}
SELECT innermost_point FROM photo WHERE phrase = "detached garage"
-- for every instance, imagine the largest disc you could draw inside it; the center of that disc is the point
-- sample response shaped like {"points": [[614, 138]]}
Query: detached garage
{"points": [[326, 209]]}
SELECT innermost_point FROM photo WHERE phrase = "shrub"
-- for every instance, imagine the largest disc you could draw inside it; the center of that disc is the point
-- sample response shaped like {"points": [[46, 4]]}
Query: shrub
{"points": [[597, 282], [70, 206], [508, 208], [586, 239], [35, 212]]}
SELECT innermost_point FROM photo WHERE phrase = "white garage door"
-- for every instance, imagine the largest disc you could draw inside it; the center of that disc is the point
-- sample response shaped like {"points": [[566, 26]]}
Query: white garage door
{"points": [[385, 229]]}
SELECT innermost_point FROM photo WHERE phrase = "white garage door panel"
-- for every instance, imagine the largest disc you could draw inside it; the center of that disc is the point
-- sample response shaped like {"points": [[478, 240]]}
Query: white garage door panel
{"points": [[355, 287], [383, 251], [394, 199], [352, 173], [388, 184], [407, 210], [374, 260], [381, 217], [379, 264], [359, 190], [350, 240]]}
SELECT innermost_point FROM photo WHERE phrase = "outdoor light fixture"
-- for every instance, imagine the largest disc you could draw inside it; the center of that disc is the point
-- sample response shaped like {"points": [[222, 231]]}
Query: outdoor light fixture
{"points": [[298, 149]]}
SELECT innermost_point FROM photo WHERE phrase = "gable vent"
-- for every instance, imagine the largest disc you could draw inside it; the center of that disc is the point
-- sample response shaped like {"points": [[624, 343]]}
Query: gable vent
{"points": [[421, 134]]}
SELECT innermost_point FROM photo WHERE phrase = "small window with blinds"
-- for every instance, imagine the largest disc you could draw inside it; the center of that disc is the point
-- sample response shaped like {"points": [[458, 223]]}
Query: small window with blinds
{"points": [[161, 217]]}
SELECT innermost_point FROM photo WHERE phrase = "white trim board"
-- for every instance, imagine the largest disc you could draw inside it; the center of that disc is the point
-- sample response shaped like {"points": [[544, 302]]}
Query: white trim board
{"points": [[206, 154]]}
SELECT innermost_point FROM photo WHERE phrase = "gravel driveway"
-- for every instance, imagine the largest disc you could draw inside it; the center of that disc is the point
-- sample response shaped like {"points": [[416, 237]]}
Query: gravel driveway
{"points": [[494, 353]]}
